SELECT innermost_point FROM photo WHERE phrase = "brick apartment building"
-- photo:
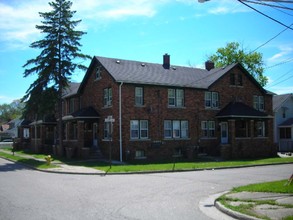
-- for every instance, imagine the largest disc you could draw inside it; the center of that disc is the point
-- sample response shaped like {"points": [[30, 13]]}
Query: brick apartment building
{"points": [[158, 111]]}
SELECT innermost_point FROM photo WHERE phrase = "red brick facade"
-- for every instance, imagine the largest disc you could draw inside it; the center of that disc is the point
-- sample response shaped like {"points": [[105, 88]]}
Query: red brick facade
{"points": [[155, 110], [155, 130]]}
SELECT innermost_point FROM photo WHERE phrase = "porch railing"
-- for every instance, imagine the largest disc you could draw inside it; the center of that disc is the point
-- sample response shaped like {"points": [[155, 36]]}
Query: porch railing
{"points": [[286, 145]]}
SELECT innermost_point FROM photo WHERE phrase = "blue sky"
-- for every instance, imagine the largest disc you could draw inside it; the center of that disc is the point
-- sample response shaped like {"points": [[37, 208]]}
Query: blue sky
{"points": [[144, 30]]}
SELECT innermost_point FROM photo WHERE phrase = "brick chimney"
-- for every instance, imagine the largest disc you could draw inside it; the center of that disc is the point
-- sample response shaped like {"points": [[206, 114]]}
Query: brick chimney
{"points": [[209, 65], [166, 61]]}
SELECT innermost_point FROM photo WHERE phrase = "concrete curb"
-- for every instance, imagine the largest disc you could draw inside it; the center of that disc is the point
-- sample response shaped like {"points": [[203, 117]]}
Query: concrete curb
{"points": [[233, 213]]}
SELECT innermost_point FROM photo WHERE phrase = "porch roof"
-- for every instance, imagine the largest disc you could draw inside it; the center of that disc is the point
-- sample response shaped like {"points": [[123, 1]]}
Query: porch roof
{"points": [[240, 110], [84, 113], [287, 123]]}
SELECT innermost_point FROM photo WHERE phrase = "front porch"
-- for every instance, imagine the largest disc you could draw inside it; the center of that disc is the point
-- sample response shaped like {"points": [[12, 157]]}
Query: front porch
{"points": [[245, 132], [81, 134]]}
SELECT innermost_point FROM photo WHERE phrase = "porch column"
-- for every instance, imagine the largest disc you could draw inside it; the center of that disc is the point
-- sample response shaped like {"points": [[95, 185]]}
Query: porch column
{"points": [[80, 137], [232, 131], [251, 129], [42, 134]]}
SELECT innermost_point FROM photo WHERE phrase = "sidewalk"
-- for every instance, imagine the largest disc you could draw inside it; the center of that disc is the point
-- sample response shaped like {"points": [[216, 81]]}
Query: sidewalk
{"points": [[62, 167], [283, 207]]}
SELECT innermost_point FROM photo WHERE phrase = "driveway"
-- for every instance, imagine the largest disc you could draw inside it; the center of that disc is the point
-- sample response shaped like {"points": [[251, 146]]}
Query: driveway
{"points": [[29, 194]]}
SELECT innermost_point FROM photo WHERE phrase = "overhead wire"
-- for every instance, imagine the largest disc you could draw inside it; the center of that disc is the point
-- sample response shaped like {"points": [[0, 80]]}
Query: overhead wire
{"points": [[270, 39], [270, 5], [241, 1]]}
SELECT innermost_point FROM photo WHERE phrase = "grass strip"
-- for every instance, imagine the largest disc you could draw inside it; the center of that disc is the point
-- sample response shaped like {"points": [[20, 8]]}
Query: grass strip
{"points": [[177, 165], [272, 187], [29, 161]]}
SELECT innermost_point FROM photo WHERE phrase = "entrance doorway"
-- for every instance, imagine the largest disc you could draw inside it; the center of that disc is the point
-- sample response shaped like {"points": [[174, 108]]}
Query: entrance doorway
{"points": [[224, 132]]}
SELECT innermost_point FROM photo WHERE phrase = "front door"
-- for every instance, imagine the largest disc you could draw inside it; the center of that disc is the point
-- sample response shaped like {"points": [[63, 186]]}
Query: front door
{"points": [[95, 135], [224, 132]]}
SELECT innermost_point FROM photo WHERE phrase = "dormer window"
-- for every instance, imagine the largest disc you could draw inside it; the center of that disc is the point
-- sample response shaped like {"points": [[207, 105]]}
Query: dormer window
{"points": [[98, 73]]}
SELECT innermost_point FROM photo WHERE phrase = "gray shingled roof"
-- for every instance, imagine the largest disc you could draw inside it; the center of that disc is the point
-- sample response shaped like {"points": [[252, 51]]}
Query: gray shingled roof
{"points": [[72, 89], [278, 100], [137, 72]]}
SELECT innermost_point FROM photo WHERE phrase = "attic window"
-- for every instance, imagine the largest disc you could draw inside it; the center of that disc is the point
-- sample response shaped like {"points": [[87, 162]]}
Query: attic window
{"points": [[118, 61], [98, 73]]}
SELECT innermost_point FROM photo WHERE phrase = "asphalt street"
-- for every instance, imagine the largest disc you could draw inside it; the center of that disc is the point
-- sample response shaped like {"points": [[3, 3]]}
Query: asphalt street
{"points": [[30, 194]]}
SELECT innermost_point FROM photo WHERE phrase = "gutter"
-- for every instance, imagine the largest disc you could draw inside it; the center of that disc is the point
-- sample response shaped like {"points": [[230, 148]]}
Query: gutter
{"points": [[120, 120]]}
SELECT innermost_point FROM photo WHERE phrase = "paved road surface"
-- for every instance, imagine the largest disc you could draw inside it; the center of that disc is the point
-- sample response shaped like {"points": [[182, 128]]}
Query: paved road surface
{"points": [[29, 194]]}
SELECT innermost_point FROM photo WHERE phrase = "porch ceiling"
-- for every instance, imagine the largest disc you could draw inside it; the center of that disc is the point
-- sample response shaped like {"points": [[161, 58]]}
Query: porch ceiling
{"points": [[240, 110]]}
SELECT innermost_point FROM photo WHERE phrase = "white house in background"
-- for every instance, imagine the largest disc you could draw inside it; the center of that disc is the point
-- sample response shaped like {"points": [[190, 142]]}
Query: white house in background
{"points": [[283, 122], [13, 127]]}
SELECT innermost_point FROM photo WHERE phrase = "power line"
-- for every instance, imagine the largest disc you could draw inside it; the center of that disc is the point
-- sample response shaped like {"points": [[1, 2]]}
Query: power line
{"points": [[270, 39], [281, 63], [265, 14], [282, 76], [270, 5], [281, 81]]}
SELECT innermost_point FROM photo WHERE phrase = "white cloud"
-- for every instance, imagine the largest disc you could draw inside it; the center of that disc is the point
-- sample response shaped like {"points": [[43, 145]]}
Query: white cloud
{"points": [[283, 55], [6, 100]]}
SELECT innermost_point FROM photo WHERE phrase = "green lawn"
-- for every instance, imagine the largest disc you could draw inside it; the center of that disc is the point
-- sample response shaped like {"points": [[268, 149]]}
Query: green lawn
{"points": [[29, 161], [274, 187], [179, 165], [142, 166]]}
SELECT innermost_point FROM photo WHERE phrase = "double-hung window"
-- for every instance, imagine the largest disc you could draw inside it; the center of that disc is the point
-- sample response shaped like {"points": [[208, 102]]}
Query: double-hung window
{"points": [[176, 129], [138, 96], [208, 128], [107, 97], [175, 97], [258, 102], [260, 128], [211, 99], [107, 130], [139, 129]]}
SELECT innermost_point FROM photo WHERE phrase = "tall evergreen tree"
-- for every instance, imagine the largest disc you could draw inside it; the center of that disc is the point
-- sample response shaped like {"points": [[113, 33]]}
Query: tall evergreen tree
{"points": [[56, 62]]}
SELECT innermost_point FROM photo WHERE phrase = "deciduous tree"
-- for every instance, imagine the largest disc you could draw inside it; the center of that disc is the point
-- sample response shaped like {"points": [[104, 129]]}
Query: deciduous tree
{"points": [[252, 61]]}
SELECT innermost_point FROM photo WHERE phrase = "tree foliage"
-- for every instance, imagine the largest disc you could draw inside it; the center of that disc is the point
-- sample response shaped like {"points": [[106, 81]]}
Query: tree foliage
{"points": [[60, 53], [232, 53], [10, 111]]}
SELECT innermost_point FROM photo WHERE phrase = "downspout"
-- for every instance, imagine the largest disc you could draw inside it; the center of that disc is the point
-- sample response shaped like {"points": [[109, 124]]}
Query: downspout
{"points": [[120, 120]]}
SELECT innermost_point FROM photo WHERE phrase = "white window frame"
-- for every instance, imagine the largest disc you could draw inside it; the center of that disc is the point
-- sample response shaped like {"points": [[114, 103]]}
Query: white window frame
{"points": [[144, 129], [258, 103], [139, 129], [176, 98], [138, 96], [168, 129], [260, 128], [208, 128], [176, 129], [107, 97], [211, 99], [140, 154], [107, 128], [98, 73]]}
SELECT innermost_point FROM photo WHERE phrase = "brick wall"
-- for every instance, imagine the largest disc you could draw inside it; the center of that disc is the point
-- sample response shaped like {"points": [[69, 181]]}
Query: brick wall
{"points": [[156, 110]]}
